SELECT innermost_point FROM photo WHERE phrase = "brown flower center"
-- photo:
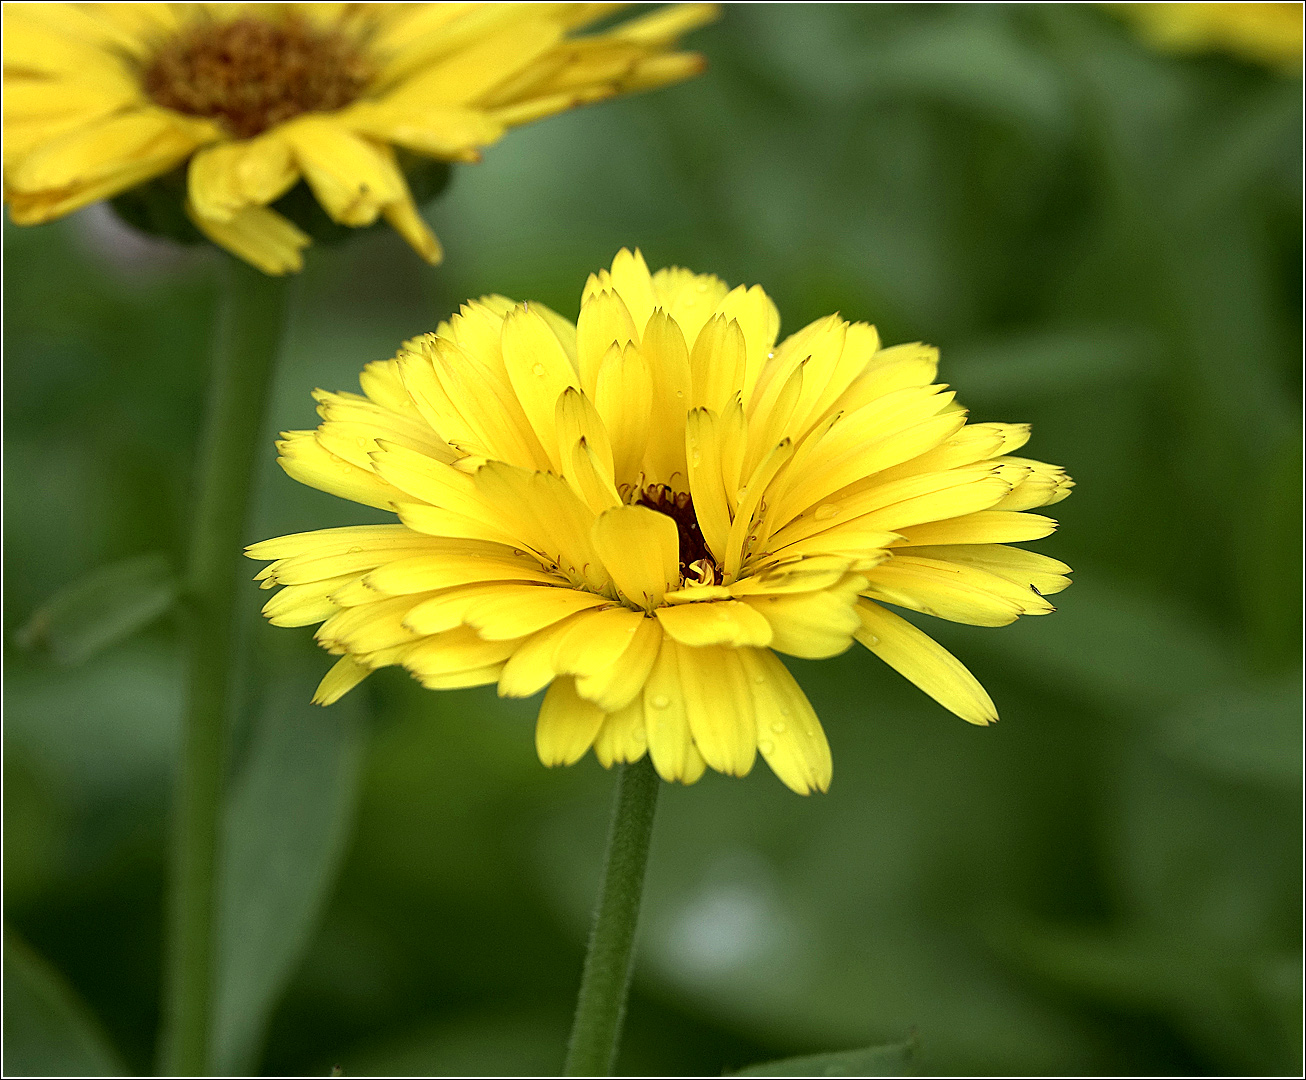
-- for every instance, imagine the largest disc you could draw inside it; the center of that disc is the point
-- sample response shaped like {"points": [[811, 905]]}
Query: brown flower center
{"points": [[695, 559], [252, 73]]}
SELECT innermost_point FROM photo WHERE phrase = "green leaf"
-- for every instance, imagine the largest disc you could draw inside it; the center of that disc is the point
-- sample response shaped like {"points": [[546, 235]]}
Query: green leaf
{"points": [[892, 1060], [48, 1029], [102, 609], [287, 821]]}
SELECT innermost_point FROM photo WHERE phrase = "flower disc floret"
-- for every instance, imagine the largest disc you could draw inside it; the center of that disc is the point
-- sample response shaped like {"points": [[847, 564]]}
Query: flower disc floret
{"points": [[637, 511]]}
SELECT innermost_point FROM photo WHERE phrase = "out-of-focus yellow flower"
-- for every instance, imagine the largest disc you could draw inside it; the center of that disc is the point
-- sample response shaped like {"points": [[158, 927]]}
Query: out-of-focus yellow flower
{"points": [[100, 98], [637, 509], [1264, 33]]}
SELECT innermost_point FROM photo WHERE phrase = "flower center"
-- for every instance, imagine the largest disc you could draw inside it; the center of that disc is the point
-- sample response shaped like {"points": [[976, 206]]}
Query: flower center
{"points": [[251, 73], [695, 558]]}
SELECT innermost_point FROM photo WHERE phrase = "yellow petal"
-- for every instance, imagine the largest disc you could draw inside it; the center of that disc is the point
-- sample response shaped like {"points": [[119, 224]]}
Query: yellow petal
{"points": [[303, 605], [716, 364], [531, 667], [622, 396], [604, 322], [722, 622], [923, 661], [664, 349], [306, 460], [333, 541], [567, 724], [641, 550], [343, 677], [952, 591], [116, 144], [423, 573], [540, 371], [718, 706], [703, 458], [622, 737], [985, 527], [1024, 568], [815, 624], [631, 279], [445, 132], [758, 482], [789, 735], [666, 723], [457, 650], [620, 683], [350, 176], [473, 72], [403, 216]]}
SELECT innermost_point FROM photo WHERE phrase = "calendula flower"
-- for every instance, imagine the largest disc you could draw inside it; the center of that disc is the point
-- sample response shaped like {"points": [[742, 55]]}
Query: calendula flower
{"points": [[1263, 33], [254, 98], [639, 510]]}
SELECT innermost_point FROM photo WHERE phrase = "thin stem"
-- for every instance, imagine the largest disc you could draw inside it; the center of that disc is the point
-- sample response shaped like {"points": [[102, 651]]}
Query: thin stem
{"points": [[605, 983], [248, 336]]}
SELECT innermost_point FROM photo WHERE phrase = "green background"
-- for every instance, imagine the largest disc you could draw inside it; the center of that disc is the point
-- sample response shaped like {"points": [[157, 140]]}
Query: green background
{"points": [[1102, 240]]}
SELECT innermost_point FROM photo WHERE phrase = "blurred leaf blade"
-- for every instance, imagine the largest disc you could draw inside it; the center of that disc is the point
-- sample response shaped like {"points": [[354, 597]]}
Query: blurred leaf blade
{"points": [[894, 1059], [48, 1029], [288, 818], [102, 609]]}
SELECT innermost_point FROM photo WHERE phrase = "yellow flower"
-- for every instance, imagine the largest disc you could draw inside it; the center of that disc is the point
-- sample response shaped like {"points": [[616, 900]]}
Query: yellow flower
{"points": [[1264, 33], [101, 98], [636, 510]]}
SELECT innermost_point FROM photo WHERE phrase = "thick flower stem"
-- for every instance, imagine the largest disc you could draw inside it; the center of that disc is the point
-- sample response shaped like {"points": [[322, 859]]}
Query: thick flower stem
{"points": [[601, 1006], [251, 319]]}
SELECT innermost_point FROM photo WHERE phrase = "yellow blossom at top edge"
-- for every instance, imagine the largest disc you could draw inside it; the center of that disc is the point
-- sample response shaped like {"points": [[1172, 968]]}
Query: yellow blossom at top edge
{"points": [[638, 510], [253, 98], [1269, 34]]}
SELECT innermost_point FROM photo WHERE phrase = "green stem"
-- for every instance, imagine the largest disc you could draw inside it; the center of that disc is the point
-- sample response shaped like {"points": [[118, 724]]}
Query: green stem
{"points": [[605, 983], [248, 336]]}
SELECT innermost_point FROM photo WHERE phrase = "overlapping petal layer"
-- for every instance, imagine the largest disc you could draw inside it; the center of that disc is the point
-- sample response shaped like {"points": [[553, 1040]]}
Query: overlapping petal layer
{"points": [[638, 511], [438, 80]]}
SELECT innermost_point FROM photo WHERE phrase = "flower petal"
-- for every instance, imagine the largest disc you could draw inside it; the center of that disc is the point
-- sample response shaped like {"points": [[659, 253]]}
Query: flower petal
{"points": [[923, 661]]}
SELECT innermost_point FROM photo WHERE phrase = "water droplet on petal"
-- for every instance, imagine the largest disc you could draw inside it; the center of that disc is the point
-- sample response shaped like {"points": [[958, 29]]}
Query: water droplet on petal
{"points": [[697, 458], [680, 393], [778, 726], [759, 679], [874, 640], [661, 701], [766, 746], [538, 369], [770, 356], [826, 511]]}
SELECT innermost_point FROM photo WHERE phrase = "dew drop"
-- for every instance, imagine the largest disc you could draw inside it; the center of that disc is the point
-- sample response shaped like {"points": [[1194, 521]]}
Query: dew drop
{"points": [[759, 679], [874, 640], [778, 726], [766, 746], [697, 458], [826, 511], [770, 356], [680, 393], [538, 369], [661, 701]]}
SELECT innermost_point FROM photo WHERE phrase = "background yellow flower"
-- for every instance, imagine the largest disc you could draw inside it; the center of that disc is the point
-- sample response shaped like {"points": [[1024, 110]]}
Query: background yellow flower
{"points": [[636, 509], [100, 98], [1263, 33]]}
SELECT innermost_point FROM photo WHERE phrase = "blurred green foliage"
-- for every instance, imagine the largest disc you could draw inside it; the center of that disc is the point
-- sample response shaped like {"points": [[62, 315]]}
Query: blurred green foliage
{"points": [[1102, 240]]}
